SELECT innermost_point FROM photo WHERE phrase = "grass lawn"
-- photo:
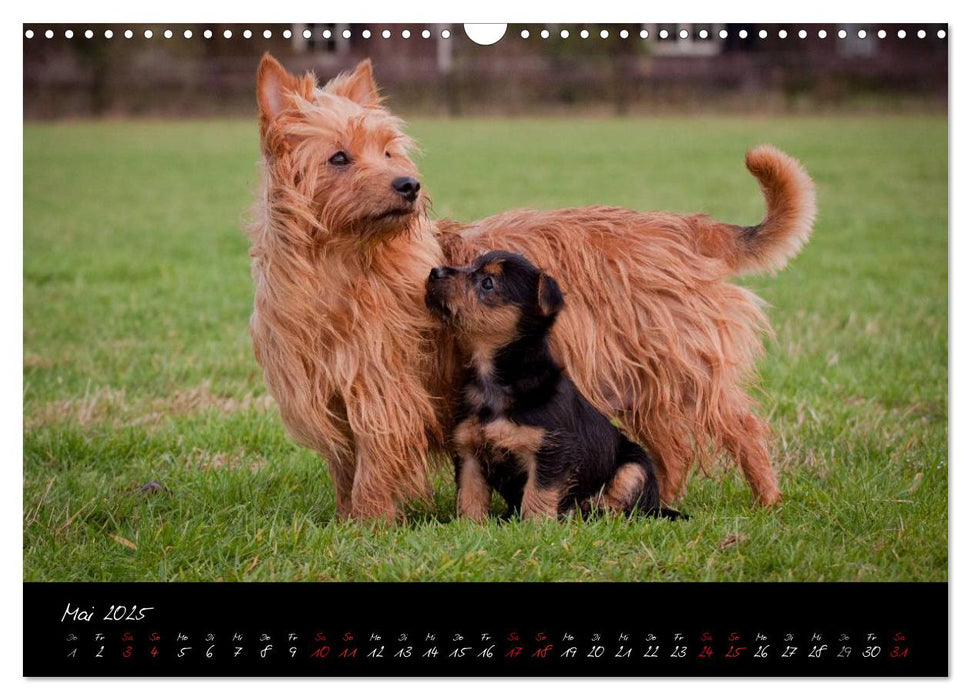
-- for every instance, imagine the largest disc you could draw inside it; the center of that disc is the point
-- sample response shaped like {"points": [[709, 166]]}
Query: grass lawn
{"points": [[138, 367]]}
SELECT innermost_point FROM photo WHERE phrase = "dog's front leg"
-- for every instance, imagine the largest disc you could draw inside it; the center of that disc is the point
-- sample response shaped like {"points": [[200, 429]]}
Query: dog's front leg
{"points": [[341, 466], [390, 426], [372, 498]]}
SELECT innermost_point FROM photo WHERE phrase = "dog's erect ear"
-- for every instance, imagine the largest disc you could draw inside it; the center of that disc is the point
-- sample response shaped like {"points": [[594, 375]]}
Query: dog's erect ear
{"points": [[274, 85], [549, 298], [358, 85]]}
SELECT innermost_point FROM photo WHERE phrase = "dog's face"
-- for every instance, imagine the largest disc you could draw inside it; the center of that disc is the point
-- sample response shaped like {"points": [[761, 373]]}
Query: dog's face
{"points": [[346, 155], [499, 297]]}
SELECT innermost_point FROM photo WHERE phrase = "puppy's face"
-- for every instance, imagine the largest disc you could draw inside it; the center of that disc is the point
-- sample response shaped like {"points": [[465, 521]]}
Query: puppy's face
{"points": [[346, 155], [501, 296]]}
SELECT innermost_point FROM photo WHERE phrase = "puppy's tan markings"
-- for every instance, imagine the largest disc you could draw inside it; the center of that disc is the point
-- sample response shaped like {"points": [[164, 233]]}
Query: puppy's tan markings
{"points": [[468, 435], [624, 488], [481, 360], [523, 440], [539, 502], [474, 494], [489, 328]]}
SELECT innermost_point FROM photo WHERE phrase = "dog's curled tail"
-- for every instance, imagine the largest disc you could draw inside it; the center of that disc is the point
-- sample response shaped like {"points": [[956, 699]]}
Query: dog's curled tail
{"points": [[790, 199]]}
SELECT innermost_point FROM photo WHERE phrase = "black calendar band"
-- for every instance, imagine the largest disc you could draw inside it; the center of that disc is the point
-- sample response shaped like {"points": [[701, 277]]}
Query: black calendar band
{"points": [[485, 629]]}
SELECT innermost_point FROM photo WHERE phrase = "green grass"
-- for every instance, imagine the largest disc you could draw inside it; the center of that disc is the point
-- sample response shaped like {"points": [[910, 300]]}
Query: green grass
{"points": [[138, 368]]}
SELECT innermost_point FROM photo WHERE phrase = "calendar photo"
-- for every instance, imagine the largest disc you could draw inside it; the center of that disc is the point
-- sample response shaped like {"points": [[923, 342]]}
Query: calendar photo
{"points": [[505, 340]]}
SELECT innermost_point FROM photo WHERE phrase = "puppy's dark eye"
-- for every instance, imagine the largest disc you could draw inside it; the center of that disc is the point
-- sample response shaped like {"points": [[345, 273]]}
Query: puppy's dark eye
{"points": [[487, 283], [339, 158], [387, 154]]}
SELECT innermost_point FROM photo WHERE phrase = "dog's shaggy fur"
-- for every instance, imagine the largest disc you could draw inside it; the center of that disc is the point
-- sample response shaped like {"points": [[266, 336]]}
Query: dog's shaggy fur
{"points": [[652, 332]]}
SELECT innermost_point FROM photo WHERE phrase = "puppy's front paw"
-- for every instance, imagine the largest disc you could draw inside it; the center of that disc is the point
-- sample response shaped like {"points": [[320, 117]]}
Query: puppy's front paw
{"points": [[540, 503], [474, 495]]}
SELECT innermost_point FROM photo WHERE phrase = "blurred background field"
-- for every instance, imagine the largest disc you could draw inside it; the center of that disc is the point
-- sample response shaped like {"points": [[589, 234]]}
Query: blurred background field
{"points": [[153, 453], [436, 70]]}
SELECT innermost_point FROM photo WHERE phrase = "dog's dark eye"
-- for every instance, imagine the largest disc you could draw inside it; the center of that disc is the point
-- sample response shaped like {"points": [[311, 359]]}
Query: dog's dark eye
{"points": [[487, 283], [387, 154], [339, 158]]}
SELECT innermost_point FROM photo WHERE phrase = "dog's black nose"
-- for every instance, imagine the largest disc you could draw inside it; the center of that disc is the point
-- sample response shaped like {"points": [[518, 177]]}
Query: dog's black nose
{"points": [[407, 187], [438, 273]]}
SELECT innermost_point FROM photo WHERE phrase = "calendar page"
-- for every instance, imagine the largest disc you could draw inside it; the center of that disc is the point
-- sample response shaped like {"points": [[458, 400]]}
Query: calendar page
{"points": [[485, 350]]}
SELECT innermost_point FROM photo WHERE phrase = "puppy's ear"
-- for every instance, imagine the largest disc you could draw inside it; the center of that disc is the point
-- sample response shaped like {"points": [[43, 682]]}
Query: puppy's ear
{"points": [[549, 298], [357, 86], [274, 86]]}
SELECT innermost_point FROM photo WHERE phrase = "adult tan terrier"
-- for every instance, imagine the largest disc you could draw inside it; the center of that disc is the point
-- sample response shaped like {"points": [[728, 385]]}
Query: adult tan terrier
{"points": [[652, 333]]}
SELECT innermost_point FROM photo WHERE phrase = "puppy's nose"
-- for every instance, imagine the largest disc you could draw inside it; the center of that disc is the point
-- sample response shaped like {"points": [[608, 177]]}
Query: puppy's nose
{"points": [[407, 187], [438, 273]]}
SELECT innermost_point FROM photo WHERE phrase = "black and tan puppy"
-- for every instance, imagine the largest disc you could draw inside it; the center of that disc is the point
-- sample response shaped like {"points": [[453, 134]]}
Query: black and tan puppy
{"points": [[522, 427]]}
